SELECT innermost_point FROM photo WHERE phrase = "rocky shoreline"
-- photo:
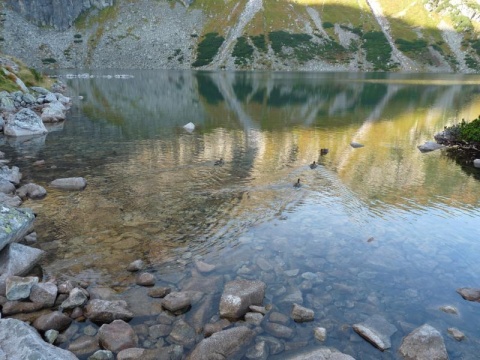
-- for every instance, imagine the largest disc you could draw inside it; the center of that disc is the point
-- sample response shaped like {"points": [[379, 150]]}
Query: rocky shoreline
{"points": [[164, 316]]}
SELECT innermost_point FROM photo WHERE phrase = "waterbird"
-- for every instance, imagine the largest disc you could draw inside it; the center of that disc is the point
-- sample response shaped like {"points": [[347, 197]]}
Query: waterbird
{"points": [[313, 165], [219, 162], [297, 184], [323, 152]]}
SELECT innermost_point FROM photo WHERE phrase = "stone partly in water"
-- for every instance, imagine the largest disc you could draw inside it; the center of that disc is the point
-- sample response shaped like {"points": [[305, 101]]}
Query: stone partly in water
{"points": [[105, 311], [456, 334], [21, 341], [356, 145], [424, 343], [238, 295], [24, 122], [31, 191], [376, 330], [75, 183], [429, 146]]}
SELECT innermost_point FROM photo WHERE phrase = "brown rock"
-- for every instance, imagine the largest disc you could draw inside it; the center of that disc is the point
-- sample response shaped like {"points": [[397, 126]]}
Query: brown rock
{"points": [[117, 336], [145, 279], [84, 345], [470, 294], [20, 307], [131, 354], [176, 302], [159, 292], [53, 321]]}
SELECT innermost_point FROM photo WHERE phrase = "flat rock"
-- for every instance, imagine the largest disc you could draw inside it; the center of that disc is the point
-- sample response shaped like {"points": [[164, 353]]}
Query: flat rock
{"points": [[131, 354], [84, 345], [177, 302], [21, 341], [227, 344], [20, 307], [107, 311], [74, 183], [159, 292], [376, 330], [238, 295], [423, 343]]}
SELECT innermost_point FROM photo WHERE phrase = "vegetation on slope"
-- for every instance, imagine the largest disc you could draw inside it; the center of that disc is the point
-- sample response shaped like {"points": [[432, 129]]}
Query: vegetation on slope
{"points": [[29, 76]]}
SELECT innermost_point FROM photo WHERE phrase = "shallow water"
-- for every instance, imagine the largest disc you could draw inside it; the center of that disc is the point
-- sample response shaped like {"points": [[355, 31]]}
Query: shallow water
{"points": [[384, 228]]}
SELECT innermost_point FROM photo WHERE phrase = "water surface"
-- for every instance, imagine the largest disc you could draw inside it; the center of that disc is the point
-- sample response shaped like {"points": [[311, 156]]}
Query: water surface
{"points": [[384, 229]]}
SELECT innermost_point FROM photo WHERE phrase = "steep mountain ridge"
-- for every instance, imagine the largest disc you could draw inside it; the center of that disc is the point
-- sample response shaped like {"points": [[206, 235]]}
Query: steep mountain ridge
{"points": [[356, 35]]}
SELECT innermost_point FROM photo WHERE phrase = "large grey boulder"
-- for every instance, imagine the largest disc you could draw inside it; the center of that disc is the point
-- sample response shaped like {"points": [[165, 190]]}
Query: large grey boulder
{"points": [[14, 225], [238, 295], [74, 183], [17, 259], [24, 122], [107, 311], [12, 174], [376, 330], [320, 354], [20, 341], [227, 344], [423, 343]]}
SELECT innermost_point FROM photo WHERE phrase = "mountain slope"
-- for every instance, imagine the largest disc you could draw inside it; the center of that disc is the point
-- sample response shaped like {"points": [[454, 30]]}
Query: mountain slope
{"points": [[363, 35]]}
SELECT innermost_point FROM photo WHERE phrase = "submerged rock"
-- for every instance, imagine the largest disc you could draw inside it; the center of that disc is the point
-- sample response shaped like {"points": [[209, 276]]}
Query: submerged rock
{"points": [[117, 336], [302, 314], [424, 343], [457, 334], [107, 311], [376, 330], [226, 344], [177, 302], [320, 354]]}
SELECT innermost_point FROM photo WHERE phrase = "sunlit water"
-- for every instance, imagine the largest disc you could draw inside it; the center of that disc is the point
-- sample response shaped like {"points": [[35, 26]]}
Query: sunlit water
{"points": [[385, 229]]}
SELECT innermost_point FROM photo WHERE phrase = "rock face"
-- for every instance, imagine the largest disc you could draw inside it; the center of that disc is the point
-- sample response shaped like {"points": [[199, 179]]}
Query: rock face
{"points": [[25, 122], [60, 14], [226, 344], [238, 295], [423, 343], [376, 330], [20, 341]]}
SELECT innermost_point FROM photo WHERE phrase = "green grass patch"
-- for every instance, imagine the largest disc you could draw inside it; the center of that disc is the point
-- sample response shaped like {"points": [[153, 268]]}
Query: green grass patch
{"points": [[242, 51], [208, 48]]}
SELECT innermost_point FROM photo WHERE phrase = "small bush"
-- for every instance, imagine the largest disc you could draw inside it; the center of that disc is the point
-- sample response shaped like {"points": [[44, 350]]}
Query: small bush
{"points": [[242, 51], [378, 49], [327, 25], [259, 42], [49, 61], [414, 46], [470, 131], [77, 36]]}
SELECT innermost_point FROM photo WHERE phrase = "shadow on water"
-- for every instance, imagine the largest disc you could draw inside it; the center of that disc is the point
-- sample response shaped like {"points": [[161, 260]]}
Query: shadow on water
{"points": [[382, 228]]}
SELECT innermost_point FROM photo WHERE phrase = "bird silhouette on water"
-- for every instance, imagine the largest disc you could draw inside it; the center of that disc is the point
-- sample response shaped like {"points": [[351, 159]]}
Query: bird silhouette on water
{"points": [[297, 184], [313, 165], [219, 162]]}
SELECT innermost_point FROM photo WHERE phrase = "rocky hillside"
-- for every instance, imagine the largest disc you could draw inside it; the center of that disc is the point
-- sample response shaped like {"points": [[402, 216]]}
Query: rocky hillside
{"points": [[356, 35]]}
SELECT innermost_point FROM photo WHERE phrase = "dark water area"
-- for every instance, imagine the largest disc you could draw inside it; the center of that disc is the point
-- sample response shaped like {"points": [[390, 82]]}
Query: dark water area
{"points": [[382, 229]]}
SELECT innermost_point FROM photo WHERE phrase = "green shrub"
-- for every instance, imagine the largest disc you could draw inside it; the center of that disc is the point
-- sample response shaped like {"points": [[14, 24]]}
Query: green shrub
{"points": [[476, 45], [208, 48], [259, 42], [414, 46], [77, 36], [378, 49], [470, 131], [242, 51], [327, 25], [49, 61]]}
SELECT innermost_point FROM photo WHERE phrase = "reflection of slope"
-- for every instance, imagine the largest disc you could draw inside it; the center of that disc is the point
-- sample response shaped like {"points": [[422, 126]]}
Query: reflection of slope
{"points": [[374, 115], [252, 7], [442, 103]]}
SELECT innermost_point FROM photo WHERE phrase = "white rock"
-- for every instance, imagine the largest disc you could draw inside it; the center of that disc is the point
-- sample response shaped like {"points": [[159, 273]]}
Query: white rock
{"points": [[189, 127]]}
